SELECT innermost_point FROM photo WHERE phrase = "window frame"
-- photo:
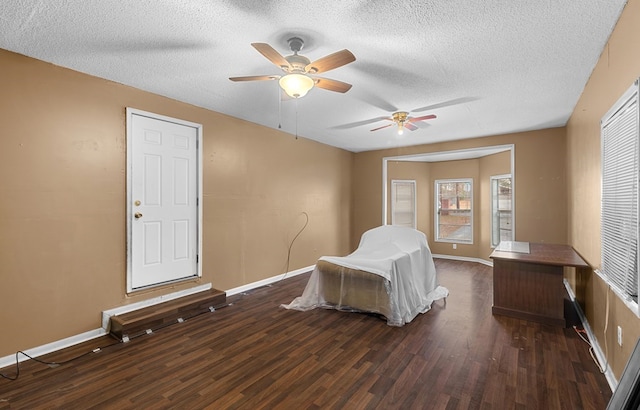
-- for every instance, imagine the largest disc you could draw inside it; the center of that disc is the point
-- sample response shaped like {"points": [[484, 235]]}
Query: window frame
{"points": [[437, 210], [493, 182], [612, 271]]}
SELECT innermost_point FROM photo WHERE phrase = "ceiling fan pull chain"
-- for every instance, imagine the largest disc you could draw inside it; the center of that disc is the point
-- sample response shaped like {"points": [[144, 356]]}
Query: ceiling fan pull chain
{"points": [[296, 118], [279, 107]]}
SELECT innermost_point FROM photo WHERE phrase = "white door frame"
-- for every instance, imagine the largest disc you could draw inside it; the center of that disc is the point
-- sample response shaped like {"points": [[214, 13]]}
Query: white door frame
{"points": [[130, 112]]}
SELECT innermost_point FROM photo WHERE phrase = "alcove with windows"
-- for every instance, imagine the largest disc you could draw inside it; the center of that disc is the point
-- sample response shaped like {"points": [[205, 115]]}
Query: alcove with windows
{"points": [[481, 168]]}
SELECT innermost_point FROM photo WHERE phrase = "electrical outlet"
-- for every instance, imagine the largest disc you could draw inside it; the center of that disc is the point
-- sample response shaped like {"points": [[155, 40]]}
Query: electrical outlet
{"points": [[455, 246], [619, 335]]}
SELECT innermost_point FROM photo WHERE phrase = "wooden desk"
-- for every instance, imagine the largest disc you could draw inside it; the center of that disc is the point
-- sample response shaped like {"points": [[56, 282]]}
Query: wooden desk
{"points": [[530, 285]]}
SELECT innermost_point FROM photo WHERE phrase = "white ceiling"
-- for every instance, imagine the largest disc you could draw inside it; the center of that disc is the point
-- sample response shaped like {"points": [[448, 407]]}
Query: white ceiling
{"points": [[484, 67]]}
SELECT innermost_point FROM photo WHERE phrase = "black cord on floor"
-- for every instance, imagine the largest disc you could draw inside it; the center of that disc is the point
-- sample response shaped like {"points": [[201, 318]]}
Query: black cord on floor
{"points": [[583, 335], [96, 350], [50, 364]]}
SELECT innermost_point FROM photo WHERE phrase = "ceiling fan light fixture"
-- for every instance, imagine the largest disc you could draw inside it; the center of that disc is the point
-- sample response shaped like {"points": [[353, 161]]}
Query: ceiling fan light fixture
{"points": [[400, 128], [296, 85]]}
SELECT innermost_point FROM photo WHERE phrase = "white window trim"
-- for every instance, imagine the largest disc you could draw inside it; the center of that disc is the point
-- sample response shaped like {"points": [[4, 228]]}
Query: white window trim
{"points": [[437, 208], [493, 178], [631, 94], [393, 199]]}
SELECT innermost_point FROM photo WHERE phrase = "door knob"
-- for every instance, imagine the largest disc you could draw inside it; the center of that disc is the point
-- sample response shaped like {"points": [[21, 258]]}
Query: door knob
{"points": [[137, 215]]}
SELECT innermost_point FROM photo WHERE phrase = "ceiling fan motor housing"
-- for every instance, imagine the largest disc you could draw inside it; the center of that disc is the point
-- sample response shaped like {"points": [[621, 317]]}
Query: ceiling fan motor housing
{"points": [[297, 62], [400, 117], [295, 44]]}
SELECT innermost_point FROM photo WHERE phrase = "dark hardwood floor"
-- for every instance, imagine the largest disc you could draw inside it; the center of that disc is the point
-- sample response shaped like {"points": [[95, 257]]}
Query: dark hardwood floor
{"points": [[255, 355]]}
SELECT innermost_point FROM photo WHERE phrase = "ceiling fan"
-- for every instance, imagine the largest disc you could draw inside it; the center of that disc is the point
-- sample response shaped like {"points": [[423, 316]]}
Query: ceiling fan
{"points": [[300, 71], [402, 120]]}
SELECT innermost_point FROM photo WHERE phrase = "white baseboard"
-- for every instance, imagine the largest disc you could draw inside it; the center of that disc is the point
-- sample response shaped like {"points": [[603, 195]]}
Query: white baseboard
{"points": [[52, 347], [300, 271], [602, 360], [464, 259], [92, 334], [269, 281]]}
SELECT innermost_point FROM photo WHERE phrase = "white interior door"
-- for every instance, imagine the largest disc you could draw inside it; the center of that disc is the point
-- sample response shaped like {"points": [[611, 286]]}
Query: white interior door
{"points": [[163, 190]]}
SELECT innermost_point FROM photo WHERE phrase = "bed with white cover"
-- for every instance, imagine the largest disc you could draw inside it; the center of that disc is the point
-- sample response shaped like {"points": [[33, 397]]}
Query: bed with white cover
{"points": [[391, 273]]}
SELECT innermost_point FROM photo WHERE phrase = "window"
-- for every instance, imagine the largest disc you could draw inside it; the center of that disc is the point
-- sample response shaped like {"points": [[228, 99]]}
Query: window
{"points": [[454, 210], [619, 218], [403, 203], [501, 215]]}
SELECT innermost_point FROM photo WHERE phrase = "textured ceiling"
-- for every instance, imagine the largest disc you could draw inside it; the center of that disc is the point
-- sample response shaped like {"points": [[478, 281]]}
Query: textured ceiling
{"points": [[484, 67]]}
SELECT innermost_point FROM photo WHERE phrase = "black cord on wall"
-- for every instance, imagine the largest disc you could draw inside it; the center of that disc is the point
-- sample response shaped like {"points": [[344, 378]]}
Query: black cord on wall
{"points": [[286, 270]]}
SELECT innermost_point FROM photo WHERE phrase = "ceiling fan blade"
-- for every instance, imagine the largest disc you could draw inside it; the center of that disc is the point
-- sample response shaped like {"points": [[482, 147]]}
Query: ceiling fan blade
{"points": [[255, 78], [379, 128], [359, 123], [272, 55], [373, 99], [335, 60], [424, 117], [410, 126], [332, 85], [448, 103]]}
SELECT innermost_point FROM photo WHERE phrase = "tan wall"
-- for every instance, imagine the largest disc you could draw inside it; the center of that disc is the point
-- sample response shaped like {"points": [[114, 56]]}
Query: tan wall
{"points": [[540, 191], [63, 200], [617, 68], [366, 194]]}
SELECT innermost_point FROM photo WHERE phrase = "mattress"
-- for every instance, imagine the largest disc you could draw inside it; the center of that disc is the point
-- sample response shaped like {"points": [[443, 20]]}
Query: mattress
{"points": [[352, 289]]}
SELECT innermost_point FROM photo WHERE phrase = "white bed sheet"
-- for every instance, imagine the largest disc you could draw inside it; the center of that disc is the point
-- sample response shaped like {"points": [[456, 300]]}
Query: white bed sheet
{"points": [[402, 257]]}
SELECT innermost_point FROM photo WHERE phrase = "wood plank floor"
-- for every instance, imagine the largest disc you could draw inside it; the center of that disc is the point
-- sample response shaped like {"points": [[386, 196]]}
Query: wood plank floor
{"points": [[255, 355]]}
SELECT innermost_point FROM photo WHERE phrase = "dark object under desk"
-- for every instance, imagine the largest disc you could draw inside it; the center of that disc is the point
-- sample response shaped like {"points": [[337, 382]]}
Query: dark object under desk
{"points": [[530, 285]]}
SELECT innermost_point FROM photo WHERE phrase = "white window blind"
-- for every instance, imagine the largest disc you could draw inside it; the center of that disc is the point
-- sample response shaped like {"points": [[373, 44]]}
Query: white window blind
{"points": [[619, 219], [403, 203], [501, 209]]}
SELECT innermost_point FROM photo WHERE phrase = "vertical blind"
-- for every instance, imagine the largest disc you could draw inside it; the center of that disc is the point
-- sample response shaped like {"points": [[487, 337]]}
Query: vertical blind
{"points": [[619, 219]]}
